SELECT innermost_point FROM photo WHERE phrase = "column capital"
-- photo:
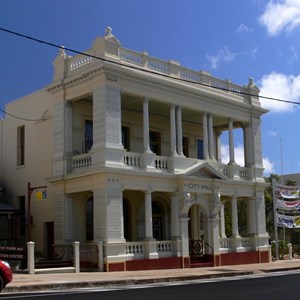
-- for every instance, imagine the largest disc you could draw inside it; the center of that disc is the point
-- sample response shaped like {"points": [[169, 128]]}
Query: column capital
{"points": [[147, 192]]}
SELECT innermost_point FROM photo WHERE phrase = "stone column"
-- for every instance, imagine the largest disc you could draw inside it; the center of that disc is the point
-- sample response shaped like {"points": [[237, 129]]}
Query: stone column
{"points": [[146, 125], [231, 142], [69, 127], [179, 131], [174, 216], [211, 136], [63, 218], [248, 147], [234, 216], [173, 130], [218, 146], [148, 216], [205, 136], [251, 217], [222, 221], [184, 236]]}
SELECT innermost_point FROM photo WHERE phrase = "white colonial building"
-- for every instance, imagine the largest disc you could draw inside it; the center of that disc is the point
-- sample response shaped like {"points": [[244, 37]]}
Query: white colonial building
{"points": [[129, 148]]}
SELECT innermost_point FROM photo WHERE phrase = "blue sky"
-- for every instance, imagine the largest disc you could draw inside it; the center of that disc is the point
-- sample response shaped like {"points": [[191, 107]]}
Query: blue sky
{"points": [[231, 39]]}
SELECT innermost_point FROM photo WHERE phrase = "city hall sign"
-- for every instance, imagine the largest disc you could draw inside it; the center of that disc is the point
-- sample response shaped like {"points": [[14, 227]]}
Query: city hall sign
{"points": [[198, 187]]}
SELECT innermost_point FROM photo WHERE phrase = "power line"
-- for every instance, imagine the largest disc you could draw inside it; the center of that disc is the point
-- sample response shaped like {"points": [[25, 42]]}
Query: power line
{"points": [[141, 69], [43, 118]]}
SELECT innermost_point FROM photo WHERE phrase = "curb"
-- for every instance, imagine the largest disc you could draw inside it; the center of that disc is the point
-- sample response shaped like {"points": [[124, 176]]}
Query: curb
{"points": [[116, 283]]}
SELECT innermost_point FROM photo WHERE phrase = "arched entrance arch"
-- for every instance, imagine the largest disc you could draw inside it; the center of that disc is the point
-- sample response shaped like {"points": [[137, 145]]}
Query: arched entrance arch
{"points": [[197, 232], [198, 227]]}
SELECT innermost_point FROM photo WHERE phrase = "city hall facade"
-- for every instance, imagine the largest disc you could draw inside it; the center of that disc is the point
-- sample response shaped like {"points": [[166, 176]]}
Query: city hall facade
{"points": [[128, 150]]}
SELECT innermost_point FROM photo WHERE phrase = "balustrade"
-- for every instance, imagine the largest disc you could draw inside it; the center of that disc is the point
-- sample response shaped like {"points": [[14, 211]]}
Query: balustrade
{"points": [[142, 60], [132, 159], [79, 61], [131, 57], [134, 247], [81, 161], [164, 246], [246, 242], [225, 243], [161, 163]]}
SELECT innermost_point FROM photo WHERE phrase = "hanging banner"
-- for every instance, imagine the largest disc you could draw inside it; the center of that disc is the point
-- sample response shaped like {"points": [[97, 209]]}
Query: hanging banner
{"points": [[288, 205], [287, 192], [288, 221]]}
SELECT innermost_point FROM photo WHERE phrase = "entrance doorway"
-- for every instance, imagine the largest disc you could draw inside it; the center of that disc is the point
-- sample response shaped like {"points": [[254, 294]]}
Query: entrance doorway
{"points": [[198, 246], [49, 239]]}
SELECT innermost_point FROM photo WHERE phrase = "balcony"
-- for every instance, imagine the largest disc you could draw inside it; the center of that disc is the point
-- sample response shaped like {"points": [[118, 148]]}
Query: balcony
{"points": [[161, 164]]}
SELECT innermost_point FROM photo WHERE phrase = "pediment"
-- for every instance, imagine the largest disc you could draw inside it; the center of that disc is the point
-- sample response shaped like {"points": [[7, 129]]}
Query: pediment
{"points": [[112, 39], [204, 170]]}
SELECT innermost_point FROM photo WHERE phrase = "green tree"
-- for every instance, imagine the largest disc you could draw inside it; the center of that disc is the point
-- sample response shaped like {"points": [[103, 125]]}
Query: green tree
{"points": [[269, 203]]}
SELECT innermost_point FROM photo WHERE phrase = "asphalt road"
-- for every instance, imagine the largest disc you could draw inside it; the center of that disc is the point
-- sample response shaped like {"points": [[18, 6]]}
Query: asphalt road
{"points": [[272, 286]]}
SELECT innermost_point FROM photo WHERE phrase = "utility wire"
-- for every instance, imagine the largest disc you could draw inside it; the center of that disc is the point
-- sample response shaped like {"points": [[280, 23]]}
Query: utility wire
{"points": [[141, 69], [43, 118]]}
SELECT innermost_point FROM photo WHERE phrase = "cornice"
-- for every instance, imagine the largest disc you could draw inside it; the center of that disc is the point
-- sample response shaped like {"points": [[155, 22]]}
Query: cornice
{"points": [[68, 82], [181, 87]]}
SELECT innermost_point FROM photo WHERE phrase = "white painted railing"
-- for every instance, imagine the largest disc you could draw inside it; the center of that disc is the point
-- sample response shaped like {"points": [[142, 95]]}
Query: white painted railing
{"points": [[230, 171], [244, 172], [132, 57], [135, 160], [142, 60], [164, 246], [80, 60], [224, 169], [159, 65], [81, 161], [246, 242], [225, 243], [132, 159], [161, 163], [134, 247], [231, 244]]}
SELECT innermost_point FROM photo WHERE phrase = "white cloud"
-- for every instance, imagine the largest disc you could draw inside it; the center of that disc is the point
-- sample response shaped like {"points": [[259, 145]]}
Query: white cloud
{"points": [[281, 16], [273, 133], [238, 154], [294, 57], [268, 166], [244, 28], [239, 158], [254, 52], [280, 86], [223, 55]]}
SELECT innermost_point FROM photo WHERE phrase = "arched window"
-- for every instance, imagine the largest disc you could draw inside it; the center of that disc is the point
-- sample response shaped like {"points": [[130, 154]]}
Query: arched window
{"points": [[89, 219]]}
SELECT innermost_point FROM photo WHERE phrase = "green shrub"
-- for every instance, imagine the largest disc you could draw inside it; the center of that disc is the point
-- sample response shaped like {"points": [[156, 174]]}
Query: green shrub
{"points": [[283, 249]]}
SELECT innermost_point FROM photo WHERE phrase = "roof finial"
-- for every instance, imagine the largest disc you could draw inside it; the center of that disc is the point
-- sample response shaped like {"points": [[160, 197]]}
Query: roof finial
{"points": [[251, 82], [108, 31], [62, 52]]}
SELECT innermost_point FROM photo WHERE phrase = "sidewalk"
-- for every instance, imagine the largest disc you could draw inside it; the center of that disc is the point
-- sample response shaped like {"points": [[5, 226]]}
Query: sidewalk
{"points": [[42, 282]]}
